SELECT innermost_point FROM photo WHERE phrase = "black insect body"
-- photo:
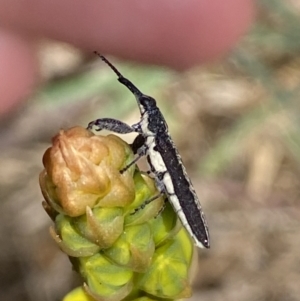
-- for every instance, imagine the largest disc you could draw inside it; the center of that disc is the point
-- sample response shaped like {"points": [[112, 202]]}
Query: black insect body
{"points": [[164, 161]]}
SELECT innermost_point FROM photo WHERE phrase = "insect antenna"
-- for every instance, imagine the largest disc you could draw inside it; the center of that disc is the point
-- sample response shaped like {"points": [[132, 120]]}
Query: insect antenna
{"points": [[123, 80], [105, 60]]}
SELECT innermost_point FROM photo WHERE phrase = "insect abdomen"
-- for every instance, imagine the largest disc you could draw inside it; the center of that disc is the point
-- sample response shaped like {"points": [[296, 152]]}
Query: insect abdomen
{"points": [[183, 198]]}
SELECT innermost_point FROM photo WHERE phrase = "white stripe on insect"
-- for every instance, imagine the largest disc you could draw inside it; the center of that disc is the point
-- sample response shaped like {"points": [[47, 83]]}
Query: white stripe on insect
{"points": [[159, 166]]}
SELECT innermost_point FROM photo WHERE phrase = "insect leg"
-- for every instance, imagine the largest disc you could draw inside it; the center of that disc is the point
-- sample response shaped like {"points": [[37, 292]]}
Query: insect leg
{"points": [[162, 190], [146, 203], [139, 148], [112, 125], [162, 208], [132, 162], [138, 143]]}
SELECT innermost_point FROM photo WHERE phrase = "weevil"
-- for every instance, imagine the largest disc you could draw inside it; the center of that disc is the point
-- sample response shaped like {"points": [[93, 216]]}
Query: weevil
{"points": [[154, 142]]}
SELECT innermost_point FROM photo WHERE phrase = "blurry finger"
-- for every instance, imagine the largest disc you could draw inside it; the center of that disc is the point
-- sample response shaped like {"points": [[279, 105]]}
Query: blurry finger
{"points": [[170, 32], [18, 72]]}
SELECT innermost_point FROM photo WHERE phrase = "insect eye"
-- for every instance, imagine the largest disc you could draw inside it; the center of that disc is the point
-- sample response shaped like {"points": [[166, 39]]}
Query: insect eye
{"points": [[147, 101]]}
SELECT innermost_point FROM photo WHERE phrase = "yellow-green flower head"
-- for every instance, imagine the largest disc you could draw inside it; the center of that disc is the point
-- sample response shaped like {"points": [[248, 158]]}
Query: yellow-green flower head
{"points": [[122, 249]]}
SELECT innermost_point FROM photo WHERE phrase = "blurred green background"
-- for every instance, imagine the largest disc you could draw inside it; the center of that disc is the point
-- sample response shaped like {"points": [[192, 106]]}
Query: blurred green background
{"points": [[236, 123]]}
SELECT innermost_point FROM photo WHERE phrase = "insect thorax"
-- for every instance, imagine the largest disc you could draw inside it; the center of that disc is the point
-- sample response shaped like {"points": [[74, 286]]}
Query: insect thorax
{"points": [[155, 122]]}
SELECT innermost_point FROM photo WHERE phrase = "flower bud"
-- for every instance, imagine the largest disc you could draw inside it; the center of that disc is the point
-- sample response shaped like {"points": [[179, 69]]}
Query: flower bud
{"points": [[83, 170], [121, 247]]}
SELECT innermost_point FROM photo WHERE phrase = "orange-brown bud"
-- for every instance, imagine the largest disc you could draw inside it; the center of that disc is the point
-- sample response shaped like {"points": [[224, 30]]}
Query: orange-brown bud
{"points": [[83, 170]]}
